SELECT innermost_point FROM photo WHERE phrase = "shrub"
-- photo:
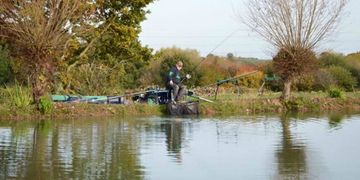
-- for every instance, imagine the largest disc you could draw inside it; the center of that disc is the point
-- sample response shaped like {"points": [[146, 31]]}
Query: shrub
{"points": [[45, 105], [328, 59], [353, 64], [294, 104], [93, 79], [343, 77], [5, 70], [252, 81], [19, 96], [304, 83], [166, 59], [323, 80], [335, 92]]}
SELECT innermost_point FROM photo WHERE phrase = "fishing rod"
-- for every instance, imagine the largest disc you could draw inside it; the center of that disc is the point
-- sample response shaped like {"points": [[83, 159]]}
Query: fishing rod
{"points": [[217, 46]]}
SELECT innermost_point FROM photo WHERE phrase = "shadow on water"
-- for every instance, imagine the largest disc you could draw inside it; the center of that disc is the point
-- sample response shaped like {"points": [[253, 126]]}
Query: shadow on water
{"points": [[69, 149]]}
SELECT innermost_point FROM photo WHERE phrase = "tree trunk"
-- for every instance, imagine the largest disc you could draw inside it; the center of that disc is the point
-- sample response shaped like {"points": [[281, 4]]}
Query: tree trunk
{"points": [[37, 87], [286, 91], [40, 81]]}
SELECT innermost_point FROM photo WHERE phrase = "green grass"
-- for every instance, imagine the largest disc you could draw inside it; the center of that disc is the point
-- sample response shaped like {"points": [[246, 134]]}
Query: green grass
{"points": [[15, 102]]}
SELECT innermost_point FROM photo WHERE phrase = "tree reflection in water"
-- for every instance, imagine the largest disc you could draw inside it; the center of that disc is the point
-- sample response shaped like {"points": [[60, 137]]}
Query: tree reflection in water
{"points": [[291, 155], [65, 150]]}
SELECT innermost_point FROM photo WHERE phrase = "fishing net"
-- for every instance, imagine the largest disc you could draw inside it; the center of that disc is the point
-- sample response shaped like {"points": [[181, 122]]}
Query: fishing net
{"points": [[187, 108]]}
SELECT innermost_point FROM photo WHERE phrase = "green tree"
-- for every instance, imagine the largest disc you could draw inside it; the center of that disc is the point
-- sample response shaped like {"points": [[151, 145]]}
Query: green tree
{"points": [[165, 59], [112, 41], [328, 59]]}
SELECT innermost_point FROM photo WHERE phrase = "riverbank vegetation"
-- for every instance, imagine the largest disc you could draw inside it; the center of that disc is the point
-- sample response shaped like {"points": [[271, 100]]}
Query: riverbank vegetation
{"points": [[228, 103], [95, 50]]}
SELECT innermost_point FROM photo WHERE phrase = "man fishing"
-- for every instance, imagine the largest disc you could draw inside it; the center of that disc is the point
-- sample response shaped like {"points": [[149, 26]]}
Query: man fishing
{"points": [[174, 82]]}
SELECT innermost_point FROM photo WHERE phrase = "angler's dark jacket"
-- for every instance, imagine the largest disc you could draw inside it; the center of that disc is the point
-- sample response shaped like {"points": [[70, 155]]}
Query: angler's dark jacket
{"points": [[174, 75]]}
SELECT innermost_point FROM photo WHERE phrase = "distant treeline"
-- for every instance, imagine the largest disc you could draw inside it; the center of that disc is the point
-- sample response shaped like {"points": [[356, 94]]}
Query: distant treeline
{"points": [[99, 77]]}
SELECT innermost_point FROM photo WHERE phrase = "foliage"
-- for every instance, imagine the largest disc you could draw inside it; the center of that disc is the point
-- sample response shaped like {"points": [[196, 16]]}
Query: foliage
{"points": [[328, 59], [294, 104], [353, 63], [290, 64], [19, 96], [45, 105], [5, 68], [335, 92], [165, 59], [37, 32], [273, 82], [304, 82], [252, 81], [295, 28], [323, 80], [211, 73], [301, 103], [343, 77], [94, 79], [112, 40]]}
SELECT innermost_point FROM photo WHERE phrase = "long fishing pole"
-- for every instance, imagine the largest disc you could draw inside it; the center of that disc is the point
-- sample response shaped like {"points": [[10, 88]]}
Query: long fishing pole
{"points": [[217, 46]]}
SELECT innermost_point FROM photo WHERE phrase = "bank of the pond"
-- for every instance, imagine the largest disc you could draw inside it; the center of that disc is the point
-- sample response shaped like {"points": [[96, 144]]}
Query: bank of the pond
{"points": [[225, 105]]}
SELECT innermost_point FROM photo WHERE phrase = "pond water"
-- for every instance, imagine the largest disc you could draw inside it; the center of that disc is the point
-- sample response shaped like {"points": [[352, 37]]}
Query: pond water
{"points": [[156, 148]]}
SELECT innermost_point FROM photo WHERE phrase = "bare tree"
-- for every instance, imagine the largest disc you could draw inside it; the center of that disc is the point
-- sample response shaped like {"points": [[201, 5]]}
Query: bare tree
{"points": [[295, 28], [38, 31]]}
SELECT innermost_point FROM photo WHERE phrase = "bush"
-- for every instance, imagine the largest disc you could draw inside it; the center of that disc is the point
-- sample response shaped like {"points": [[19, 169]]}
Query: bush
{"points": [[252, 81], [165, 59], [343, 77], [45, 105], [211, 74], [295, 104], [323, 80], [335, 92], [353, 64], [304, 83], [5, 69], [93, 79], [19, 96], [328, 59]]}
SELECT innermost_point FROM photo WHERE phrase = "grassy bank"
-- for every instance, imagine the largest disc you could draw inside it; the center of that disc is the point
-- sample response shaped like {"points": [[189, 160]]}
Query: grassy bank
{"points": [[226, 104], [270, 103]]}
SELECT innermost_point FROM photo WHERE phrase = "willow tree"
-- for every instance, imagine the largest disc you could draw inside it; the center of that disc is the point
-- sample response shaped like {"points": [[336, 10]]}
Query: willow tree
{"points": [[295, 28], [38, 31]]}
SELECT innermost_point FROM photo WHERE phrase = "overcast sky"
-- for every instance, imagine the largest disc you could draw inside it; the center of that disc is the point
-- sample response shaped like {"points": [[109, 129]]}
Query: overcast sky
{"points": [[204, 24]]}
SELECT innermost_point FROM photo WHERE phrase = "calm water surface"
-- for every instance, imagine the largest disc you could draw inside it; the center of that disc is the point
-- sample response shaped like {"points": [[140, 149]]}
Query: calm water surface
{"points": [[261, 147]]}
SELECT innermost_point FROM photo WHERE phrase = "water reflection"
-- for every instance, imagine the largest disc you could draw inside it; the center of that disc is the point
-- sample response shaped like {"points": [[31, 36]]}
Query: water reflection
{"points": [[291, 155], [45, 150], [174, 138], [335, 120], [263, 147]]}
